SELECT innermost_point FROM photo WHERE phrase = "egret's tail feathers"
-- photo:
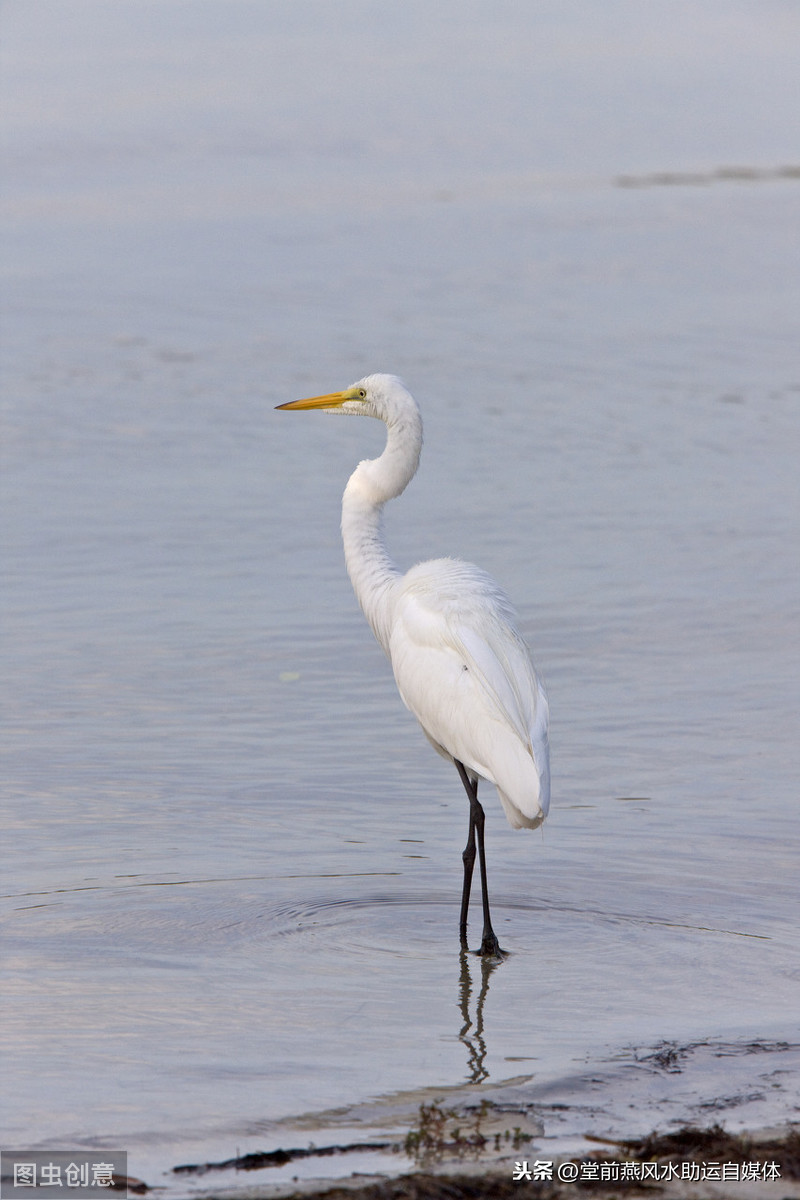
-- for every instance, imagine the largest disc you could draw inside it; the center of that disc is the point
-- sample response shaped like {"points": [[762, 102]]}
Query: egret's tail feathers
{"points": [[516, 818], [525, 793]]}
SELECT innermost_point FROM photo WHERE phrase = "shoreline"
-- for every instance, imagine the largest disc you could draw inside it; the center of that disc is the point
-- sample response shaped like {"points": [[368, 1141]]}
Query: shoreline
{"points": [[688, 1164], [713, 1101]]}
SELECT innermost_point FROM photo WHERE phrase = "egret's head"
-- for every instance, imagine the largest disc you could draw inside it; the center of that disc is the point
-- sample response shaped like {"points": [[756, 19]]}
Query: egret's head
{"points": [[381, 396]]}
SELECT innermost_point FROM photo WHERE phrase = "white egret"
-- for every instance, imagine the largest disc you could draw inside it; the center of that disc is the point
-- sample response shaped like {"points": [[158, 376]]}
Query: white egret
{"points": [[450, 633]]}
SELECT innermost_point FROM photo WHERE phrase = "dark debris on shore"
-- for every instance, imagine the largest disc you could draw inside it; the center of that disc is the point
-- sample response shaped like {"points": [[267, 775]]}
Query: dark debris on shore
{"points": [[687, 1144], [715, 1144]]}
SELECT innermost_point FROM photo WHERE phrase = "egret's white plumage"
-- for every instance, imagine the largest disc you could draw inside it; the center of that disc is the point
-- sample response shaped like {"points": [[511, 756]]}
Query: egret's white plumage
{"points": [[449, 631]]}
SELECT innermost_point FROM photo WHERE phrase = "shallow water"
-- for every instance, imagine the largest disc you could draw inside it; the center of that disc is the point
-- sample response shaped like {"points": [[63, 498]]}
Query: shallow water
{"points": [[232, 890]]}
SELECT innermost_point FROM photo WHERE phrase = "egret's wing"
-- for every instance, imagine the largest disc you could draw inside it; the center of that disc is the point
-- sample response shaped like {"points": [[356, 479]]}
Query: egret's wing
{"points": [[459, 659], [463, 669], [499, 659]]}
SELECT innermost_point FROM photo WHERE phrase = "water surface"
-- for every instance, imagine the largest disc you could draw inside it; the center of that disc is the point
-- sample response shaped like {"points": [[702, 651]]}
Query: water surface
{"points": [[232, 882]]}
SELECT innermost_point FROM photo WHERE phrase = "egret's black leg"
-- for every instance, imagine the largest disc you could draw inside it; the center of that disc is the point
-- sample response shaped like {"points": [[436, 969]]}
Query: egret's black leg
{"points": [[489, 943], [468, 858]]}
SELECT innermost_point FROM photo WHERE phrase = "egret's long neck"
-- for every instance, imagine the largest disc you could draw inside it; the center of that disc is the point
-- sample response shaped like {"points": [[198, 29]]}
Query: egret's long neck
{"points": [[371, 570]]}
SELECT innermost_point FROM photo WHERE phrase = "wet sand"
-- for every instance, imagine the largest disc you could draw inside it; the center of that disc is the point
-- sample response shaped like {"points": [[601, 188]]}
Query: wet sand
{"points": [[716, 1164], [595, 1130]]}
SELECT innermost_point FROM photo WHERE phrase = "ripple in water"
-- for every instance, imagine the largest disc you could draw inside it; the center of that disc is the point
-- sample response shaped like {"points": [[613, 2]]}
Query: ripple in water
{"points": [[404, 925]]}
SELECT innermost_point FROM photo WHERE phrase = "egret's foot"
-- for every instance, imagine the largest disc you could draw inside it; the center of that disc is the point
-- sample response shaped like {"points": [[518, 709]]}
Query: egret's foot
{"points": [[490, 947]]}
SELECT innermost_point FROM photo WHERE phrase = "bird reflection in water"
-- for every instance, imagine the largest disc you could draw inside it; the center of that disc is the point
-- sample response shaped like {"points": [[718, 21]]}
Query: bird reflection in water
{"points": [[471, 1032]]}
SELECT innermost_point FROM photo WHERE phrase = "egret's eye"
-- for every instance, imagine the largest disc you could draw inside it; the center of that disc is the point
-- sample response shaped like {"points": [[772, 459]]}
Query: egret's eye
{"points": [[362, 395]]}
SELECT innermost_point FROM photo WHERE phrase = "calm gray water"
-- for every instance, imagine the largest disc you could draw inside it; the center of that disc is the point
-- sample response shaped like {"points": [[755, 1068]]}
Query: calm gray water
{"points": [[232, 867]]}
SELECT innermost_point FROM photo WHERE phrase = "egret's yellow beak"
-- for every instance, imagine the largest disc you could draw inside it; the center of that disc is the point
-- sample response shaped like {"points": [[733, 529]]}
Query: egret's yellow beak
{"points": [[331, 400]]}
